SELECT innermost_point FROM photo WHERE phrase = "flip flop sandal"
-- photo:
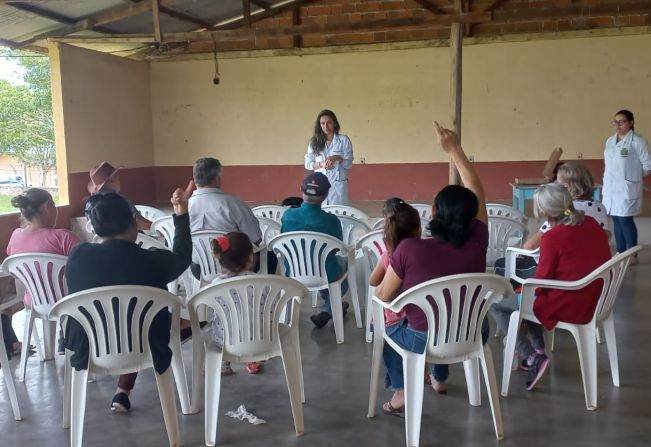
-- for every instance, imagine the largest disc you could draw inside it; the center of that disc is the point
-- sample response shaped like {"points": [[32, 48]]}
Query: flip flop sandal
{"points": [[120, 403], [390, 409]]}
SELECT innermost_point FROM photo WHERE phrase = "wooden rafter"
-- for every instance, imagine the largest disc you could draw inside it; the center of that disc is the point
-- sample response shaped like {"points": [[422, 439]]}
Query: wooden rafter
{"points": [[155, 4], [435, 6], [261, 4], [490, 6], [41, 12], [246, 13], [296, 20], [183, 17], [16, 45], [261, 15]]}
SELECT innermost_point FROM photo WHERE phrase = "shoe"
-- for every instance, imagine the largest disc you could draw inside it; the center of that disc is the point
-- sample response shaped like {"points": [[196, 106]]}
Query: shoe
{"points": [[18, 347], [439, 387], [254, 367], [523, 365], [321, 319], [120, 403], [390, 409], [536, 370], [344, 308]]}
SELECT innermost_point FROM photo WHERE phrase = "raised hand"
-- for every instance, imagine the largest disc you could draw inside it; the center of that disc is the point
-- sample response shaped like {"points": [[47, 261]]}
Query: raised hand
{"points": [[180, 198], [447, 139]]}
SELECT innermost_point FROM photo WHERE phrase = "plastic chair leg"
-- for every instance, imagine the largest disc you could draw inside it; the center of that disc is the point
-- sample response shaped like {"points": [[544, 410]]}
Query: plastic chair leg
{"points": [[49, 338], [180, 378], [299, 361], [369, 313], [509, 350], [548, 338], [315, 298], [293, 375], [491, 384], [9, 377], [198, 355], [78, 406], [354, 294], [337, 313], [67, 390], [27, 336], [598, 335], [471, 370], [37, 342], [611, 344], [211, 401], [587, 347], [168, 404], [376, 362], [413, 366]]}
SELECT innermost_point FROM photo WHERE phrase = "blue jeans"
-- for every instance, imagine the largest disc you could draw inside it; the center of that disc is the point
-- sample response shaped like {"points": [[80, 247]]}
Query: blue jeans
{"points": [[414, 341], [625, 232]]}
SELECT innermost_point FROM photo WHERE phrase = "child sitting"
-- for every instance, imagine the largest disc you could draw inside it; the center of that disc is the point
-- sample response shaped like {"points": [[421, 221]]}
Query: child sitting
{"points": [[235, 254]]}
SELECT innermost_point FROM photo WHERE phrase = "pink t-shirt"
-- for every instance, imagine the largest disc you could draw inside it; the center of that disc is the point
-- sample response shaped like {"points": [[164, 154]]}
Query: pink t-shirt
{"points": [[390, 317], [45, 240]]}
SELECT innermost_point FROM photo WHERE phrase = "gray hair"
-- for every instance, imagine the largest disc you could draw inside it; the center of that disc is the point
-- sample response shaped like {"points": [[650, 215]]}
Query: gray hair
{"points": [[579, 180], [554, 202], [206, 170]]}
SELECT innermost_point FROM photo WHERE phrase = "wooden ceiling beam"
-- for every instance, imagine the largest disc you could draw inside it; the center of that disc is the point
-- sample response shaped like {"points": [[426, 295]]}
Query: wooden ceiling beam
{"points": [[18, 46], [155, 12], [490, 6], [246, 13], [435, 6], [261, 15], [41, 12], [183, 17], [261, 4]]}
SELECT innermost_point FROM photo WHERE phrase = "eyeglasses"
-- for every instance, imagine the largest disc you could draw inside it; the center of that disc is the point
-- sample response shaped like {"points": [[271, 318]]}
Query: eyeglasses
{"points": [[618, 123]]}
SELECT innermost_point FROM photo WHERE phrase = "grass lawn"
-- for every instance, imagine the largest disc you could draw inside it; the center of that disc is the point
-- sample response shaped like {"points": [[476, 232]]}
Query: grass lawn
{"points": [[5, 202]]}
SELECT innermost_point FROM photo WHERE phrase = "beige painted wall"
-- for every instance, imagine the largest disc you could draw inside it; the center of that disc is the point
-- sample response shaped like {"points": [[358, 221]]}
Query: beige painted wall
{"points": [[520, 101], [102, 109]]}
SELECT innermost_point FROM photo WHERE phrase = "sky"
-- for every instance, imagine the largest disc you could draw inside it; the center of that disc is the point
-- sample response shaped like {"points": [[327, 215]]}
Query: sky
{"points": [[10, 71]]}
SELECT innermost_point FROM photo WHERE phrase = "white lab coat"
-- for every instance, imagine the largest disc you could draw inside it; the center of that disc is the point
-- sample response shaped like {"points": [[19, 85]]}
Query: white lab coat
{"points": [[338, 176], [627, 162]]}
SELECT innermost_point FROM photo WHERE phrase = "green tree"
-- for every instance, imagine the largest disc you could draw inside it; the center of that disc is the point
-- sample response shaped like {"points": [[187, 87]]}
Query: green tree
{"points": [[26, 123]]}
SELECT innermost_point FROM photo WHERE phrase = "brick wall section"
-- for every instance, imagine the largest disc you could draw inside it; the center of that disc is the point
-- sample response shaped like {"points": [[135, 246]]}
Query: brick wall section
{"points": [[511, 16]]}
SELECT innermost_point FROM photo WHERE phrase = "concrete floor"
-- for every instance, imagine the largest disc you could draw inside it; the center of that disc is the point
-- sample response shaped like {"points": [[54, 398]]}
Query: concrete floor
{"points": [[337, 381]]}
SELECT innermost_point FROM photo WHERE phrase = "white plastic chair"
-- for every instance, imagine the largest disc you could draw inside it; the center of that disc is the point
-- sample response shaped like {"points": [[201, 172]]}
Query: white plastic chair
{"points": [[270, 229], [371, 247], [500, 210], [42, 275], [118, 342], [273, 212], [585, 335], [149, 212], [306, 253], [6, 367], [454, 336], [252, 310], [353, 228], [164, 226], [424, 210], [503, 232], [344, 210]]}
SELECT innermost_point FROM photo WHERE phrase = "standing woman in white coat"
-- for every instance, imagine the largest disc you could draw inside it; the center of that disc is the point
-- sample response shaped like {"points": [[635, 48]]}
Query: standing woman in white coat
{"points": [[331, 154], [627, 160]]}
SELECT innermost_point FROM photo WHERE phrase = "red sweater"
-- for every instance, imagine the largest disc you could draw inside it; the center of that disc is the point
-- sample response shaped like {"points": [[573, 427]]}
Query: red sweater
{"points": [[567, 254]]}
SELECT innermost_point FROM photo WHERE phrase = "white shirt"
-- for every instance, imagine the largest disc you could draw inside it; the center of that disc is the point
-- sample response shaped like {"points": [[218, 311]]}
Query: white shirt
{"points": [[627, 161], [338, 176], [211, 209]]}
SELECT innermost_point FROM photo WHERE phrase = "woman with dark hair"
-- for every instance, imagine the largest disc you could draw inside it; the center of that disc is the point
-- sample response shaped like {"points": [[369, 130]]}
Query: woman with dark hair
{"points": [[38, 235], [330, 153], [118, 260], [627, 160], [458, 245]]}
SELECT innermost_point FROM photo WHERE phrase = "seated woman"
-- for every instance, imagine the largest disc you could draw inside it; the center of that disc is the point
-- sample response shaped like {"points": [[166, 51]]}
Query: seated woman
{"points": [[38, 235], [118, 260], [579, 181], [574, 246], [458, 245], [235, 254]]}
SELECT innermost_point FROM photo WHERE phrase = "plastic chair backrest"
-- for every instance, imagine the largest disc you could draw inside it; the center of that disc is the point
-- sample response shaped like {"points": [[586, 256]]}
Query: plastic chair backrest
{"points": [[117, 321], [165, 226], [145, 241], [372, 245], [424, 210], [460, 305], [250, 308], [353, 228], [305, 253], [269, 228], [346, 211], [42, 275], [612, 273], [149, 212], [202, 254], [273, 212], [500, 210], [500, 230]]}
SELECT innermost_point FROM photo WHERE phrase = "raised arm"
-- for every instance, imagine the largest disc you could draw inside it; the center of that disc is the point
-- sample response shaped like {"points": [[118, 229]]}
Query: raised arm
{"points": [[449, 142]]}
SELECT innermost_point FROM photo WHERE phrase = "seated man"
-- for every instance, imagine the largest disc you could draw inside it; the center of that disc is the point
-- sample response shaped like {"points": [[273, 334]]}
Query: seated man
{"points": [[310, 217], [212, 209]]}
